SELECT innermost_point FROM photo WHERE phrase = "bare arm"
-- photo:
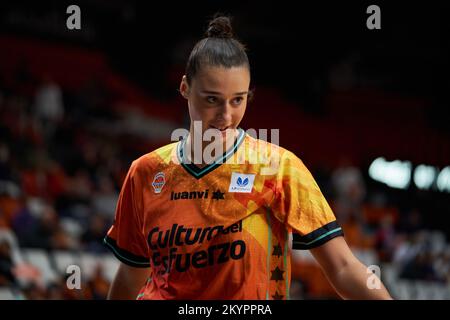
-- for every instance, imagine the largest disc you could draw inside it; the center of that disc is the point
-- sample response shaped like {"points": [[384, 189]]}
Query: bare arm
{"points": [[345, 272], [127, 282]]}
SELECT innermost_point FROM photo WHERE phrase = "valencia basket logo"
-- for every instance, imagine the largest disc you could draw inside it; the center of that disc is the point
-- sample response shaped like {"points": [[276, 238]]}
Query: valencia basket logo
{"points": [[158, 182]]}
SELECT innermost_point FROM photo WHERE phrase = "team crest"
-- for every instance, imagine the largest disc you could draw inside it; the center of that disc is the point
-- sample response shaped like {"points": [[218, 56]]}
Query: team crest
{"points": [[158, 182]]}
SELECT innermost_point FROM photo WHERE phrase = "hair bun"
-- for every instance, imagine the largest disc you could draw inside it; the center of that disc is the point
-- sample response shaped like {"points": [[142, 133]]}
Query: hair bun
{"points": [[220, 27]]}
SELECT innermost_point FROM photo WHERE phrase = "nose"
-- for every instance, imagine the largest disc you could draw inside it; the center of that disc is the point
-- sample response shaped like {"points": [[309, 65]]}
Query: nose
{"points": [[225, 113]]}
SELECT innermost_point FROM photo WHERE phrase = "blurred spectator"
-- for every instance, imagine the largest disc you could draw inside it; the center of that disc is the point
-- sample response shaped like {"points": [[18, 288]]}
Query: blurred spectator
{"points": [[408, 248], [411, 222], [5, 165], [105, 199], [420, 268], [58, 290], [42, 229], [7, 277], [48, 105], [33, 291], [98, 284], [55, 292], [442, 265], [81, 186], [24, 222], [93, 237], [350, 191], [385, 239], [34, 177], [71, 294]]}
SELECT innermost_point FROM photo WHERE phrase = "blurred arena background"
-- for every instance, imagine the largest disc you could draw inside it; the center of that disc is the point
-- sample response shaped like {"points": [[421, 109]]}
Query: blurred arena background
{"points": [[364, 109]]}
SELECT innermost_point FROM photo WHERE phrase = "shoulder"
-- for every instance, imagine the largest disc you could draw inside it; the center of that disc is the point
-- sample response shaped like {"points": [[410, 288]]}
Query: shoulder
{"points": [[153, 160], [271, 150]]}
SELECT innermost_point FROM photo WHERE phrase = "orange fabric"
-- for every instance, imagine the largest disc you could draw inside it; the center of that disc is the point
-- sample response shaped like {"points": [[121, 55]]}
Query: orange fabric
{"points": [[205, 241]]}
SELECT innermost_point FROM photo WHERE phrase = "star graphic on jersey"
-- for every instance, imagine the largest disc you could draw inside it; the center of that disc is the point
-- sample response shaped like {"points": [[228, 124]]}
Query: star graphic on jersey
{"points": [[218, 195], [277, 251], [277, 274], [277, 296]]}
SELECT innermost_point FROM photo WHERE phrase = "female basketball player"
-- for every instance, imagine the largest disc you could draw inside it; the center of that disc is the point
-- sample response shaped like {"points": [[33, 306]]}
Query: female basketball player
{"points": [[224, 229]]}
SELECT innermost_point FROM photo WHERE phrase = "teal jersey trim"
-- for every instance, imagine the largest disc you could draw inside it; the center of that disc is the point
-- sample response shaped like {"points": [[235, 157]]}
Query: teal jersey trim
{"points": [[200, 172]]}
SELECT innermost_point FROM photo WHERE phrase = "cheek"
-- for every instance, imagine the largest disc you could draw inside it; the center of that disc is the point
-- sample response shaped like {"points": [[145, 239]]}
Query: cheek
{"points": [[195, 108], [240, 112], [193, 113], [198, 111]]}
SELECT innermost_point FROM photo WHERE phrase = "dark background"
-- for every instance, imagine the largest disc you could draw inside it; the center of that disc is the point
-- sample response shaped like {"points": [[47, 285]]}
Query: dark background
{"points": [[291, 45]]}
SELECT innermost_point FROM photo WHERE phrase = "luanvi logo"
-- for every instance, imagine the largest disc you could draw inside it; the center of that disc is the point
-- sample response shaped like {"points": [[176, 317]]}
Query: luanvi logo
{"points": [[216, 195]]}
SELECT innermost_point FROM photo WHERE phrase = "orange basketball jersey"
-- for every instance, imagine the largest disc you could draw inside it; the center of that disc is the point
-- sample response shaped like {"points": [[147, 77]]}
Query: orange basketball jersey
{"points": [[222, 231]]}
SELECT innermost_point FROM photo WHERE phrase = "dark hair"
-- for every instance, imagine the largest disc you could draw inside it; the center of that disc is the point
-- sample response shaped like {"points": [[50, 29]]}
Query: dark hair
{"points": [[218, 48]]}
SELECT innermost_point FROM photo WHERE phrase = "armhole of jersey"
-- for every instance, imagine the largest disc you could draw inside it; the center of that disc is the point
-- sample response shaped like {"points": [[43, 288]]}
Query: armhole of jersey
{"points": [[124, 256], [317, 237]]}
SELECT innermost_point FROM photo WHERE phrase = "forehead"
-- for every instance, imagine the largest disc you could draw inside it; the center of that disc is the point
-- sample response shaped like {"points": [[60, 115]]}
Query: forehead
{"points": [[220, 79]]}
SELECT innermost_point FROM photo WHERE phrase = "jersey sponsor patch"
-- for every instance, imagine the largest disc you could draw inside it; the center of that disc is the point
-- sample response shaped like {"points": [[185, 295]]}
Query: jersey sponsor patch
{"points": [[158, 182], [165, 247], [241, 182]]}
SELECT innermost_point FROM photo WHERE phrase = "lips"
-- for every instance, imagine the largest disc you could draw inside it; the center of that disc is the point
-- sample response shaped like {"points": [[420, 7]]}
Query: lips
{"points": [[220, 128]]}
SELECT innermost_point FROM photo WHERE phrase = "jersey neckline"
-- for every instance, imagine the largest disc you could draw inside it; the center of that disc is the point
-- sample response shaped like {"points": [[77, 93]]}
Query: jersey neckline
{"points": [[198, 172]]}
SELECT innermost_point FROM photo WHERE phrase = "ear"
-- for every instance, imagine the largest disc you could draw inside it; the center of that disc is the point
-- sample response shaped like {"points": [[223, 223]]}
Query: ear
{"points": [[184, 87]]}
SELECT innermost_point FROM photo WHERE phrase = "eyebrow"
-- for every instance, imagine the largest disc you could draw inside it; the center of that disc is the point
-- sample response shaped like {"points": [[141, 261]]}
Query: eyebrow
{"points": [[218, 93]]}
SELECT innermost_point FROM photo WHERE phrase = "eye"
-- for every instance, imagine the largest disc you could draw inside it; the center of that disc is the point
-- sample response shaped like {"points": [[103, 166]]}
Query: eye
{"points": [[237, 100], [211, 99]]}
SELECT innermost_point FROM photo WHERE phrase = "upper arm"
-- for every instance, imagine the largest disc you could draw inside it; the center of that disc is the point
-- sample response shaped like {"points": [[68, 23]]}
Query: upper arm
{"points": [[345, 272], [133, 274], [128, 281], [333, 255]]}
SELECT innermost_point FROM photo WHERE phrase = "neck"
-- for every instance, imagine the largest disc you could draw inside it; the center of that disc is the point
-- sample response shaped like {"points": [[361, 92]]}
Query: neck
{"points": [[203, 153]]}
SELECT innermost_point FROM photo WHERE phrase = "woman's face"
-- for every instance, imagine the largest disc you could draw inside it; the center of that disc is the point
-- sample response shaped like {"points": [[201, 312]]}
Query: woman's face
{"points": [[217, 97]]}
